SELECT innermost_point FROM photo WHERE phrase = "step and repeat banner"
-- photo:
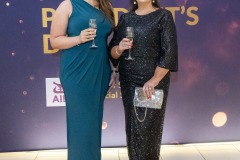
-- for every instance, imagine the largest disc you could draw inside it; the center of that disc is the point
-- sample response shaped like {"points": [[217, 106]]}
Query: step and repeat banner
{"points": [[204, 99]]}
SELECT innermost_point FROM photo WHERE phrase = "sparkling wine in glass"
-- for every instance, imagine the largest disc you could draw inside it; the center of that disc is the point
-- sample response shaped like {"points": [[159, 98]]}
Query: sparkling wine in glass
{"points": [[129, 35], [93, 24]]}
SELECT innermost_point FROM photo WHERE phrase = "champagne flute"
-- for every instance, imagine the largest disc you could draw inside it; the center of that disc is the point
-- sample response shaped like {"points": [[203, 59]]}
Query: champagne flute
{"points": [[93, 24], [129, 35]]}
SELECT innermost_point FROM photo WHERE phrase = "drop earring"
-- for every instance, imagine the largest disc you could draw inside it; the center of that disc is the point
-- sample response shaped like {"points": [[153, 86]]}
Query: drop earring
{"points": [[153, 1], [134, 2]]}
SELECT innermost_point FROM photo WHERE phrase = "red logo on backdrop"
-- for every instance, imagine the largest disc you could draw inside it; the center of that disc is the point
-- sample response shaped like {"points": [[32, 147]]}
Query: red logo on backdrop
{"points": [[54, 93], [58, 90]]}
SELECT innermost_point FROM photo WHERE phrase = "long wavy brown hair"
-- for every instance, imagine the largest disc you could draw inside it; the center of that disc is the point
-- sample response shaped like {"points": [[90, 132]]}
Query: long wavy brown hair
{"points": [[106, 7], [135, 6]]}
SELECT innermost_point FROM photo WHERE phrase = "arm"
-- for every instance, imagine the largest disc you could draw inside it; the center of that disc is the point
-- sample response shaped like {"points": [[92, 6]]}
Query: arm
{"points": [[114, 51], [117, 50], [169, 59], [154, 81], [119, 43], [58, 37]]}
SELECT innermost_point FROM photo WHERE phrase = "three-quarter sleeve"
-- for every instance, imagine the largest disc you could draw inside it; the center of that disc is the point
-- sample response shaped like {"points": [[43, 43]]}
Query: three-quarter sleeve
{"points": [[118, 35], [169, 47]]}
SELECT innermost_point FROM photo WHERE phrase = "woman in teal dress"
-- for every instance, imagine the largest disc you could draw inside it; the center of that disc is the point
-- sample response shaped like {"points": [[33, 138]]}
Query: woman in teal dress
{"points": [[84, 71]]}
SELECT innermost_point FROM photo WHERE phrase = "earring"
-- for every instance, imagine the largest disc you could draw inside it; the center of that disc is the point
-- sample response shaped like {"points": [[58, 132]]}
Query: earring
{"points": [[153, 1], [134, 2]]}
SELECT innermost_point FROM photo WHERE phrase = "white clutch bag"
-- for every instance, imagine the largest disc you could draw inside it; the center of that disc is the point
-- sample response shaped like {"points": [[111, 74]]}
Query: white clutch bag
{"points": [[141, 100]]}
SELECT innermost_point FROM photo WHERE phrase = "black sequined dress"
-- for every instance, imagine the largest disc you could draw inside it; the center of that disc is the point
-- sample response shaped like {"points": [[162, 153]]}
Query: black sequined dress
{"points": [[155, 44]]}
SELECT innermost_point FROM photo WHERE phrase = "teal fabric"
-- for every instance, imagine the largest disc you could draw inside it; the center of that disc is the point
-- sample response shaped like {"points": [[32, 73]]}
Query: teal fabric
{"points": [[84, 75]]}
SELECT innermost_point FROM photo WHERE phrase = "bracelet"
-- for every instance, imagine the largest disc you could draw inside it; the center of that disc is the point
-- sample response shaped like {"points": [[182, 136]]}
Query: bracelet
{"points": [[115, 70], [76, 41], [116, 51]]}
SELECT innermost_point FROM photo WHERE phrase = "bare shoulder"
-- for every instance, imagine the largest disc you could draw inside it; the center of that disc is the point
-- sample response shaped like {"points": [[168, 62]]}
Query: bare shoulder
{"points": [[66, 3], [65, 7]]}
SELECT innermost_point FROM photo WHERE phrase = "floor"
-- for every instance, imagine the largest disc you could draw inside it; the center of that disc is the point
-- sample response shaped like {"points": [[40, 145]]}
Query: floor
{"points": [[203, 151]]}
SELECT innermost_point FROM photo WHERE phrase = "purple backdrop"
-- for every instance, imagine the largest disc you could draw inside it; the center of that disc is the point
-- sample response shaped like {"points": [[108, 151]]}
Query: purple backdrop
{"points": [[203, 104]]}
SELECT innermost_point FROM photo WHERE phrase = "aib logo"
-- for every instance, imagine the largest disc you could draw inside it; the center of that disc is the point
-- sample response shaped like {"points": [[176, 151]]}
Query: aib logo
{"points": [[54, 93], [58, 90]]}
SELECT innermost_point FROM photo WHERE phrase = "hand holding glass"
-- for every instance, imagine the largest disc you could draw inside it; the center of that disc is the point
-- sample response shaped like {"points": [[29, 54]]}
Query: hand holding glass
{"points": [[129, 35], [93, 24]]}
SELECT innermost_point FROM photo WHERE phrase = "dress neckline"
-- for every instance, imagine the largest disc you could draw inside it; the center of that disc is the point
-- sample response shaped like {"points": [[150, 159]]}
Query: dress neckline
{"points": [[147, 13], [91, 6]]}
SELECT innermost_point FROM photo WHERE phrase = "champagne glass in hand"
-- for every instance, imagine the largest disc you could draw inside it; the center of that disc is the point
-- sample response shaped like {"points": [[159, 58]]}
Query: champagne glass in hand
{"points": [[129, 35], [93, 24]]}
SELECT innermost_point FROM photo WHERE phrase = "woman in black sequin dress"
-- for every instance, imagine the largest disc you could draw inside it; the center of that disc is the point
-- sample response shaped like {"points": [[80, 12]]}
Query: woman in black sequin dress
{"points": [[154, 49]]}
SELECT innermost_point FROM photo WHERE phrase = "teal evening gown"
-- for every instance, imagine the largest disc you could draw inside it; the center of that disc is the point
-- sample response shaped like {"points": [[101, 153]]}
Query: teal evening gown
{"points": [[84, 75]]}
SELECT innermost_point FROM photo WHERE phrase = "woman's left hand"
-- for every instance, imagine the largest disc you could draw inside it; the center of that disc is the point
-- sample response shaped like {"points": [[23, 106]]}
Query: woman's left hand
{"points": [[149, 86]]}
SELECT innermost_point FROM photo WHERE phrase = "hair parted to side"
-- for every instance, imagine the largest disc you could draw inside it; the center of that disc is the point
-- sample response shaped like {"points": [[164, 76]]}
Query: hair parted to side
{"points": [[106, 7], [134, 6]]}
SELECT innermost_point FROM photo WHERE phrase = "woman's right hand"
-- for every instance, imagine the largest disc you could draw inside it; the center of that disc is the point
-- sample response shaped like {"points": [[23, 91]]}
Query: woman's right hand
{"points": [[124, 44], [87, 35]]}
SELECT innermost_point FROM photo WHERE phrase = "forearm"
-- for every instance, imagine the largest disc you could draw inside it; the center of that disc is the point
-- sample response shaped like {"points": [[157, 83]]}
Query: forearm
{"points": [[115, 52], [159, 74], [149, 86], [64, 42]]}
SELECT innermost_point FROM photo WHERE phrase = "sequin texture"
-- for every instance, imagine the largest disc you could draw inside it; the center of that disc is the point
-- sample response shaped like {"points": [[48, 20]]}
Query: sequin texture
{"points": [[155, 44]]}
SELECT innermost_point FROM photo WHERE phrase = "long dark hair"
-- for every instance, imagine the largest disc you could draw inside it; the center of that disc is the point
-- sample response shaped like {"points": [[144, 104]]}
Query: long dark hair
{"points": [[135, 6], [106, 7]]}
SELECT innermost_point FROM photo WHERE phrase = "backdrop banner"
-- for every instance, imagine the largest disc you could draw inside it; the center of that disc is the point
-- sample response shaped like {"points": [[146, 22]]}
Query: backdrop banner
{"points": [[204, 97]]}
